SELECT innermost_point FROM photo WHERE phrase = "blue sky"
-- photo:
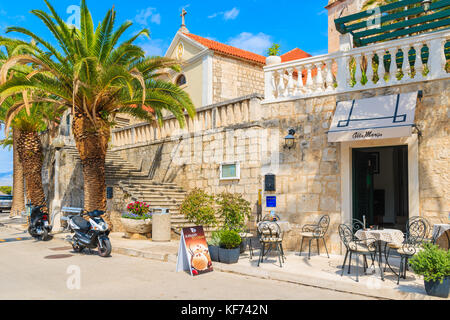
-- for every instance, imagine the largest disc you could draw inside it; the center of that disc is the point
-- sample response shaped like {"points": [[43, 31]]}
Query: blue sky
{"points": [[250, 24]]}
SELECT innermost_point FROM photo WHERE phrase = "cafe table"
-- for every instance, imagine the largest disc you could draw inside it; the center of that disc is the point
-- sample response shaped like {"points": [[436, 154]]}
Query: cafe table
{"points": [[385, 235], [439, 230]]}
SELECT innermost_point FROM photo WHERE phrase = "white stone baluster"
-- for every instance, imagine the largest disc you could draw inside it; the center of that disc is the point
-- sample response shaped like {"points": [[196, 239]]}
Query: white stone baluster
{"points": [[309, 79], [319, 77], [418, 64], [393, 66], [406, 67], [381, 69], [358, 72], [290, 85], [369, 70], [270, 87], [281, 87], [300, 85], [329, 76]]}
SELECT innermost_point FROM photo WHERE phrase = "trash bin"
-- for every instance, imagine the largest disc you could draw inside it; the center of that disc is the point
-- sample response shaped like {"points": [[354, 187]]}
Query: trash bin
{"points": [[161, 226]]}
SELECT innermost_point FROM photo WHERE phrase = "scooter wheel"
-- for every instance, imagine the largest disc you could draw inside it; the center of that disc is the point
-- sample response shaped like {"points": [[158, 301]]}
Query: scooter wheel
{"points": [[45, 236], [106, 250], [30, 231], [77, 248]]}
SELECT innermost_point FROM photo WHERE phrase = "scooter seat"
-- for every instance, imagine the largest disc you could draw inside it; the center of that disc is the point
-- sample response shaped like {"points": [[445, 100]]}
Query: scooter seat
{"points": [[81, 223]]}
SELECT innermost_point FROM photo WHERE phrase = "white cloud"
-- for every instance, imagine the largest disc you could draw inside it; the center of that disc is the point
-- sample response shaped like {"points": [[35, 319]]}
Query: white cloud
{"points": [[257, 43], [231, 14], [153, 47], [227, 15], [143, 16]]}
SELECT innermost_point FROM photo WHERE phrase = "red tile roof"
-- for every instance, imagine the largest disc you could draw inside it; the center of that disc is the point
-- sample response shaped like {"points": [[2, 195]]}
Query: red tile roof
{"points": [[294, 54], [226, 49]]}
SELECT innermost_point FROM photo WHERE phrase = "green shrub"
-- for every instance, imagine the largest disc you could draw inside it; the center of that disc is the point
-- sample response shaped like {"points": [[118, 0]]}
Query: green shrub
{"points": [[234, 209], [6, 190], [432, 263], [215, 238], [274, 50], [198, 208], [230, 239]]}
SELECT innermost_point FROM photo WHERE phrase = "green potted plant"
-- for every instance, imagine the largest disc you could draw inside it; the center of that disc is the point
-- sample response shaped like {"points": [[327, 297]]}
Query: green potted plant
{"points": [[433, 263], [229, 250], [273, 55], [234, 210], [214, 245], [137, 219], [198, 208]]}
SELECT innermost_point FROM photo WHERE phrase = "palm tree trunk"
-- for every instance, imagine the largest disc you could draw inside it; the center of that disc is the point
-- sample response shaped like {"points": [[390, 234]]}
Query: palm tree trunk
{"points": [[92, 144], [29, 148], [18, 204]]}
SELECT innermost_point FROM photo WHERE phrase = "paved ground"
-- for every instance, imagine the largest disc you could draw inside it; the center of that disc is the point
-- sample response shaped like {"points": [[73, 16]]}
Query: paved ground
{"points": [[27, 271]]}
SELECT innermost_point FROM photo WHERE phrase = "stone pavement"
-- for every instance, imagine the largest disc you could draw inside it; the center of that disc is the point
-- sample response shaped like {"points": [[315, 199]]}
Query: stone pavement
{"points": [[319, 272]]}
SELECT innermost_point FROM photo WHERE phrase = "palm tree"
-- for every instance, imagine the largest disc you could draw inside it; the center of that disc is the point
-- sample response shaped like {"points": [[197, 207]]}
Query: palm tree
{"points": [[96, 77], [27, 126], [10, 142]]}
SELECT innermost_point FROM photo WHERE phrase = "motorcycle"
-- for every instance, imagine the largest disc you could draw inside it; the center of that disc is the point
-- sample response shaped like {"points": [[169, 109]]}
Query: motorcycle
{"points": [[89, 234], [39, 227]]}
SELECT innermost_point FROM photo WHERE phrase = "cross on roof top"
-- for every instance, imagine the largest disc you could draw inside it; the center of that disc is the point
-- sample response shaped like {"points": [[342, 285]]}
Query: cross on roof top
{"points": [[183, 21]]}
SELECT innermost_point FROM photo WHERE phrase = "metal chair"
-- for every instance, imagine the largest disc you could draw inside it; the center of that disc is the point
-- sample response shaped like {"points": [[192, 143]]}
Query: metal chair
{"points": [[358, 247], [357, 225], [413, 243], [315, 231], [427, 231], [271, 235], [269, 217]]}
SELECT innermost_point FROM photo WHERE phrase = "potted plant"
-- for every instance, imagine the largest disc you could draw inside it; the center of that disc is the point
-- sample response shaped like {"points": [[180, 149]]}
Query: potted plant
{"points": [[229, 250], [214, 245], [198, 208], [273, 55], [433, 264], [137, 219]]}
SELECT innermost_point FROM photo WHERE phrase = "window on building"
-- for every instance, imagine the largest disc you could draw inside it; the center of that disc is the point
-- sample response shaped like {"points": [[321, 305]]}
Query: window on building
{"points": [[230, 171], [181, 80]]}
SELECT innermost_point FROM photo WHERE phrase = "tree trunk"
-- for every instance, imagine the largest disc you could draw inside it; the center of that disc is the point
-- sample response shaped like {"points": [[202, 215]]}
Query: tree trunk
{"points": [[92, 144], [30, 154], [18, 204]]}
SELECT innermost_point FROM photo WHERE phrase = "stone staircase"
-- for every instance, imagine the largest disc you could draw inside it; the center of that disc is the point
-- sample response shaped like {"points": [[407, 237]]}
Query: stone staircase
{"points": [[136, 183]]}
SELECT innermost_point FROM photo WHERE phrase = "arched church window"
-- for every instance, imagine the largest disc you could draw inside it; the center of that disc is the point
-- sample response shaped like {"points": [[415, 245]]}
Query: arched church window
{"points": [[181, 80]]}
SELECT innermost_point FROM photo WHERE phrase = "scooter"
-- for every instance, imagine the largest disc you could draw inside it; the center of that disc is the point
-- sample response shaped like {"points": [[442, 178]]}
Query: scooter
{"points": [[39, 226], [89, 234]]}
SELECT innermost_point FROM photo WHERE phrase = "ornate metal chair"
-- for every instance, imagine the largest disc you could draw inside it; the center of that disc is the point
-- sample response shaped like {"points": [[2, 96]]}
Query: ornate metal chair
{"points": [[428, 229], [315, 231], [270, 235], [357, 225], [268, 217], [413, 243], [357, 247]]}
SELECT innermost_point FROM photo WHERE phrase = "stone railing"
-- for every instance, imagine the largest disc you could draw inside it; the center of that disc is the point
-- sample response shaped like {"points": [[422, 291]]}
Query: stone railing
{"points": [[216, 116], [351, 70]]}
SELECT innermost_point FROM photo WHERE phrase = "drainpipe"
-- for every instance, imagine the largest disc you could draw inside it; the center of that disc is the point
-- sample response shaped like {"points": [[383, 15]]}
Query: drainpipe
{"points": [[58, 144]]}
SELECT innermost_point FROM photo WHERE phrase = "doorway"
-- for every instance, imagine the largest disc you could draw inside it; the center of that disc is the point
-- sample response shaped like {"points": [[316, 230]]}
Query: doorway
{"points": [[380, 186]]}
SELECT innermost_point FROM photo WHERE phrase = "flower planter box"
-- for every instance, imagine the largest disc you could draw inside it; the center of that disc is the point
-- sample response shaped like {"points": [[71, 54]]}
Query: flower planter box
{"points": [[137, 229], [437, 289], [229, 256], [214, 253]]}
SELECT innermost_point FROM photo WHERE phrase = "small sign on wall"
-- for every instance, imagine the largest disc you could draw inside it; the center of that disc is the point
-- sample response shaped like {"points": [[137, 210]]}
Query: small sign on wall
{"points": [[271, 201]]}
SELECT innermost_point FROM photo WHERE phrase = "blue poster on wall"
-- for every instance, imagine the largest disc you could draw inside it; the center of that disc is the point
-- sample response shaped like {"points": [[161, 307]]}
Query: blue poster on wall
{"points": [[271, 202]]}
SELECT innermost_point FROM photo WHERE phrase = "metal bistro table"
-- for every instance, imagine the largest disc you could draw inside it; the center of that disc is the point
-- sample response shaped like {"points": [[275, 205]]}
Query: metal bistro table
{"points": [[386, 236], [439, 230]]}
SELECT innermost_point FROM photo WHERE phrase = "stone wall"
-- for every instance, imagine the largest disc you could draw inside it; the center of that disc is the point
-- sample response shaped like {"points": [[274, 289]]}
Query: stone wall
{"points": [[309, 176], [234, 78]]}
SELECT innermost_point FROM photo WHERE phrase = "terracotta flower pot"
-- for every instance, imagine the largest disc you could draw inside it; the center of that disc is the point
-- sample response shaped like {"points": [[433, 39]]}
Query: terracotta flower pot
{"points": [[137, 226]]}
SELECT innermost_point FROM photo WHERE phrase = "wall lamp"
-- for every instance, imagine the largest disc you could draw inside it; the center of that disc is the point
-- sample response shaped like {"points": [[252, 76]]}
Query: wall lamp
{"points": [[426, 4], [289, 140]]}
